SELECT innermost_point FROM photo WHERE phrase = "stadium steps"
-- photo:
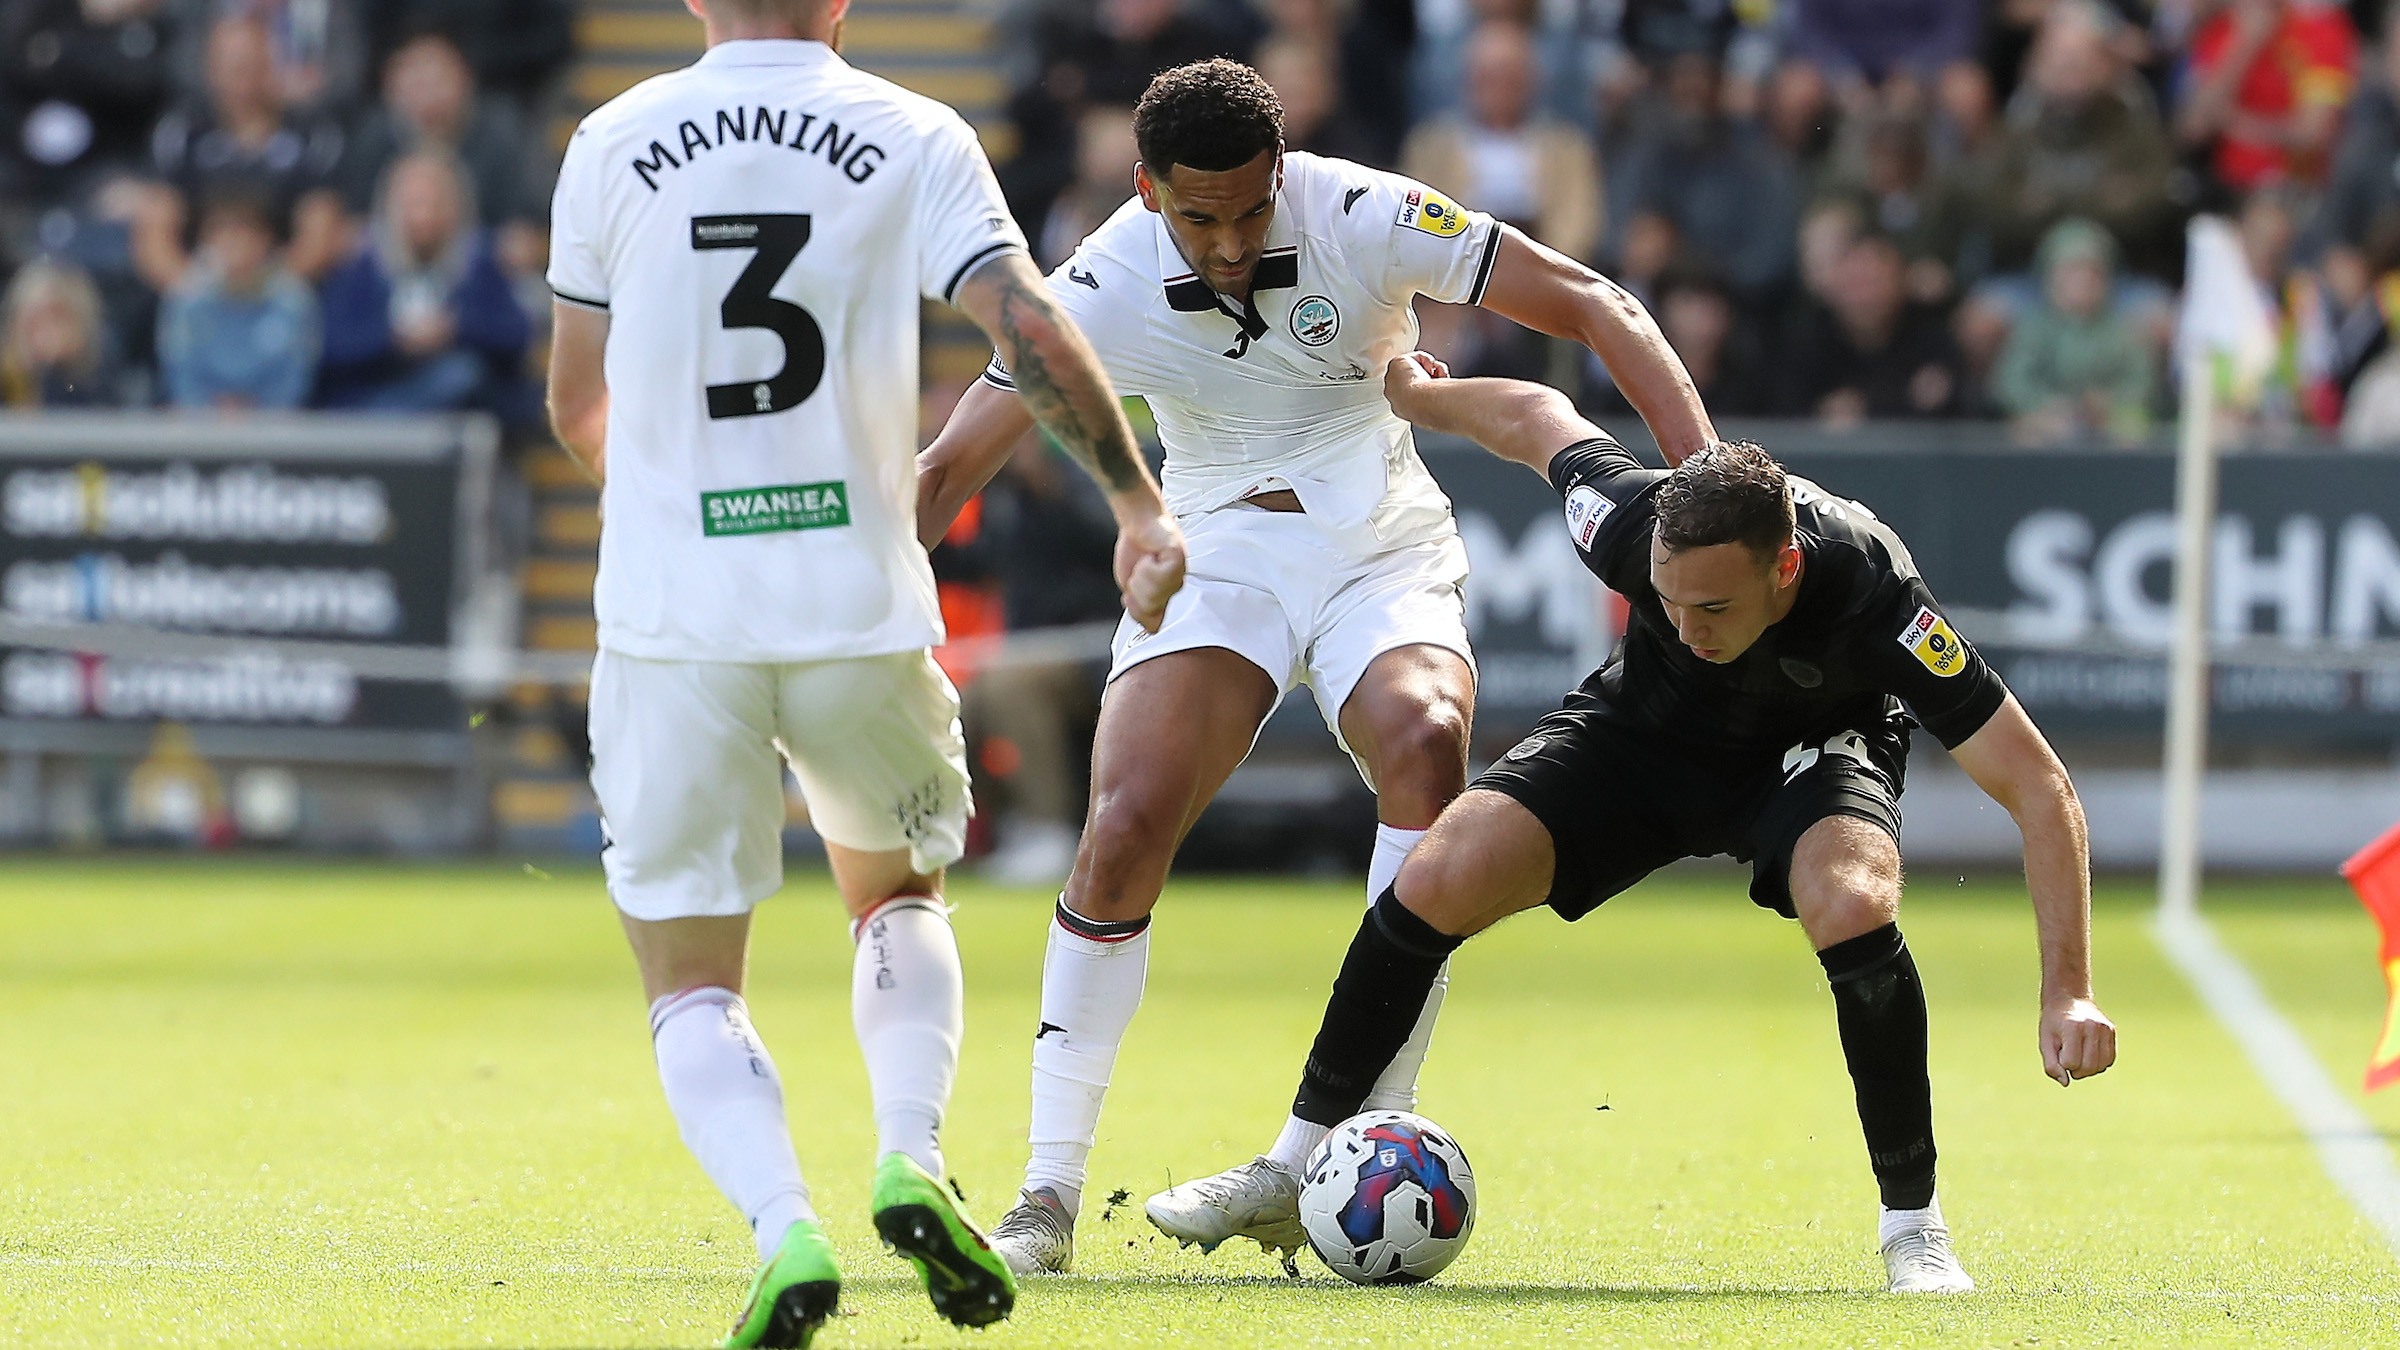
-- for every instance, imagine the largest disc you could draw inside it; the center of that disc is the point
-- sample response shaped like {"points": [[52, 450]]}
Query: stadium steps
{"points": [[939, 48], [540, 800]]}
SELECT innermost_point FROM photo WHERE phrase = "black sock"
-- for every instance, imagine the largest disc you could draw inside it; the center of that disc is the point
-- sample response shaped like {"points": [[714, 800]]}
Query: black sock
{"points": [[1881, 1006], [1376, 1001]]}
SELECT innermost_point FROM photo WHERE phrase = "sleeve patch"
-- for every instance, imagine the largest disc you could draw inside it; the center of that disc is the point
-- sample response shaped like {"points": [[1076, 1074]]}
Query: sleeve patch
{"points": [[1936, 646], [1429, 211], [1586, 508]]}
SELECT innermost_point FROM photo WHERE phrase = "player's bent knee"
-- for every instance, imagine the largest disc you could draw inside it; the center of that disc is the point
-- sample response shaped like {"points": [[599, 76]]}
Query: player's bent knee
{"points": [[1129, 828], [1426, 753], [1845, 879], [1487, 858]]}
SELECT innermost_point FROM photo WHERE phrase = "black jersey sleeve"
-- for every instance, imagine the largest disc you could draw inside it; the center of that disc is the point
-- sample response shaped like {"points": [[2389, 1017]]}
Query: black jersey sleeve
{"points": [[1606, 492], [1940, 676]]}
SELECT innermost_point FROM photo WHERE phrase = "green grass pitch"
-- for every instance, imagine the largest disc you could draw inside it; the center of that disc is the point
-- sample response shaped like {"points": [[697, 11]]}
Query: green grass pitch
{"points": [[377, 1105]]}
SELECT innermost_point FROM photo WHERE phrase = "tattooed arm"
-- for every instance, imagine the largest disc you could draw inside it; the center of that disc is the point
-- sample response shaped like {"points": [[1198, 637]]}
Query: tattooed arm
{"points": [[1059, 382]]}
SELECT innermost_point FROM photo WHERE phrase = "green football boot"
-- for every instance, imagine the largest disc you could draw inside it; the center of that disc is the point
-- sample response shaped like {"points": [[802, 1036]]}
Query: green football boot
{"points": [[918, 1218], [793, 1294]]}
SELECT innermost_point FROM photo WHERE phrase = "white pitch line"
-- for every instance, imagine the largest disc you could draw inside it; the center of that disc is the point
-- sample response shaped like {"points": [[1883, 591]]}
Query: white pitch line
{"points": [[2348, 1145]]}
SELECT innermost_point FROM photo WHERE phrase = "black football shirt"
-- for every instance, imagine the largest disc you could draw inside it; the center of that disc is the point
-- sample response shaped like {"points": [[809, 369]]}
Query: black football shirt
{"points": [[1863, 633]]}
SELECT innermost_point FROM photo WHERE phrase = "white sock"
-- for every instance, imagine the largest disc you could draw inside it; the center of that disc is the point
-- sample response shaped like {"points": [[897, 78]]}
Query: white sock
{"points": [[1396, 1089], [1392, 847], [728, 1105], [905, 995], [1299, 1139], [1091, 983], [1892, 1223]]}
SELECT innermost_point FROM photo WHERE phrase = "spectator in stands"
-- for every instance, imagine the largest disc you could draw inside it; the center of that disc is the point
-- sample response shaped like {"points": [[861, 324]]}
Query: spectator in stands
{"points": [[1702, 324], [2304, 386], [240, 331], [2365, 181], [1104, 157], [2073, 369], [518, 47], [422, 319], [1731, 193], [319, 47], [1966, 123], [1930, 214], [1798, 117], [54, 350], [1085, 55], [1128, 41], [247, 140], [2266, 89], [81, 82], [2082, 139], [1870, 351], [1301, 73], [429, 100], [1499, 156], [1365, 50], [1866, 41]]}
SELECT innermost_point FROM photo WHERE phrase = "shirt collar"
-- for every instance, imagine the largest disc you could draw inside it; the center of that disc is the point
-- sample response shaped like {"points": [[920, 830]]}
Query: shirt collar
{"points": [[1278, 267], [768, 52]]}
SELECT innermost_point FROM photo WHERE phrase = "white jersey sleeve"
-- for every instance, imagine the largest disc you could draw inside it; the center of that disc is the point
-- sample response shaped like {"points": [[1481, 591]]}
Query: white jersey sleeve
{"points": [[962, 220], [1107, 293], [577, 273], [1428, 244]]}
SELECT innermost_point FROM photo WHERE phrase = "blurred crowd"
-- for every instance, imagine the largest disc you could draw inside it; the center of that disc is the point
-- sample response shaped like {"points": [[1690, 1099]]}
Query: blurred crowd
{"points": [[273, 204], [1838, 209]]}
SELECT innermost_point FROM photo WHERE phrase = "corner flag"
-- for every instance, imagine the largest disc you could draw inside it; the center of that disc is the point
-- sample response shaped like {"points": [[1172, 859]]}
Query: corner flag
{"points": [[2226, 324], [2375, 874]]}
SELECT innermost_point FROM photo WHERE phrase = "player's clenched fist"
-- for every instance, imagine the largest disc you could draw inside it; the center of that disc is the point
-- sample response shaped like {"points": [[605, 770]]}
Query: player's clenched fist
{"points": [[1149, 565], [2078, 1040], [1407, 374]]}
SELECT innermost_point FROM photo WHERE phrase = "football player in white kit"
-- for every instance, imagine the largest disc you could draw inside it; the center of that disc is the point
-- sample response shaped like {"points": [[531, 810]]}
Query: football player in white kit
{"points": [[1253, 297], [739, 248]]}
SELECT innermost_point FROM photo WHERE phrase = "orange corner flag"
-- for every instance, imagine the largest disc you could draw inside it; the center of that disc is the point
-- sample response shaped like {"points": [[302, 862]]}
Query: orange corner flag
{"points": [[2375, 874]]}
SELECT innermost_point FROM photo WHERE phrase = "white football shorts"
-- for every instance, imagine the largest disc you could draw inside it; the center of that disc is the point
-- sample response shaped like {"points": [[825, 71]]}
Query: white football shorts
{"points": [[687, 761], [1270, 587]]}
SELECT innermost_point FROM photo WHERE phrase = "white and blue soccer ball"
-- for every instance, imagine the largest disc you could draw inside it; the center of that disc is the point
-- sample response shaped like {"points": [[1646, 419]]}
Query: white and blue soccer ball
{"points": [[1387, 1198]]}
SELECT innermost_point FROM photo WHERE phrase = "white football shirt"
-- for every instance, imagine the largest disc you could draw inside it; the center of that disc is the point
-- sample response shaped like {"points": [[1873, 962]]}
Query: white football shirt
{"points": [[759, 226], [1289, 391]]}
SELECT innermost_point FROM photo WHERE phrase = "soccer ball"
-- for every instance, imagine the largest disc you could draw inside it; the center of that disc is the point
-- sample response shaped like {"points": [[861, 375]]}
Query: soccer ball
{"points": [[1387, 1198]]}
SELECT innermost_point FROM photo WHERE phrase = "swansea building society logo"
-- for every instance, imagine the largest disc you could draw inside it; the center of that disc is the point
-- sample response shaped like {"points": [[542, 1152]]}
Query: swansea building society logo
{"points": [[1315, 321], [763, 510]]}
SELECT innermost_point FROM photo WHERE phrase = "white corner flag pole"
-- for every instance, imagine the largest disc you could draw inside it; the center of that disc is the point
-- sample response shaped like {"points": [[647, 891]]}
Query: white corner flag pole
{"points": [[2187, 670]]}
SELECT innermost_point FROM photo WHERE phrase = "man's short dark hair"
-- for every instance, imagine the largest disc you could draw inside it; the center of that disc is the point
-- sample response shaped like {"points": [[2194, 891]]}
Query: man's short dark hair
{"points": [[1732, 492], [1210, 115]]}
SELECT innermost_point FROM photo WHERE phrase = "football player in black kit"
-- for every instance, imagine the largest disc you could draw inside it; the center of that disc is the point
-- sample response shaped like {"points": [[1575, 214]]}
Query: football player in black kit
{"points": [[1779, 646]]}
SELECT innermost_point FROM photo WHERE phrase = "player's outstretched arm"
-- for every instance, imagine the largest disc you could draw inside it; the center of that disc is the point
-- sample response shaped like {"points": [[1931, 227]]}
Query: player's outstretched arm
{"points": [[987, 424], [2015, 766], [1060, 380], [579, 384], [1514, 419], [1549, 292]]}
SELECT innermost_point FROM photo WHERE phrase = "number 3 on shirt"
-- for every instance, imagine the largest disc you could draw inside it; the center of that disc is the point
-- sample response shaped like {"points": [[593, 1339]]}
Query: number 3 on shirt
{"points": [[777, 240]]}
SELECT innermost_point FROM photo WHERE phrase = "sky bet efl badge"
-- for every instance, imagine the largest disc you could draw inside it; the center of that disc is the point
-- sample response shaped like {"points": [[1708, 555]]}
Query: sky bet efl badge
{"points": [[1434, 214], [1930, 639]]}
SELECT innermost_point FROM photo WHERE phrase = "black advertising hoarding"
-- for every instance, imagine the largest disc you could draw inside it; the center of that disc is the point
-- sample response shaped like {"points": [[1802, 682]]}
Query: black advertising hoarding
{"points": [[289, 542], [2058, 565]]}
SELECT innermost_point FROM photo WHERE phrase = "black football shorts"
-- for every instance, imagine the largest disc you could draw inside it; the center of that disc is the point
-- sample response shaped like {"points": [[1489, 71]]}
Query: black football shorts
{"points": [[1620, 804]]}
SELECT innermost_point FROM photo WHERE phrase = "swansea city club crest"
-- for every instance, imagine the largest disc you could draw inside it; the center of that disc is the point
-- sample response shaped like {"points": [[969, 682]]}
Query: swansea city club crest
{"points": [[1315, 321]]}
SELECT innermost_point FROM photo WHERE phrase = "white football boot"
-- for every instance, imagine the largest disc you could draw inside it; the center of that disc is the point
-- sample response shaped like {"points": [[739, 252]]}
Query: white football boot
{"points": [[1920, 1262], [1259, 1200], [1037, 1236]]}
